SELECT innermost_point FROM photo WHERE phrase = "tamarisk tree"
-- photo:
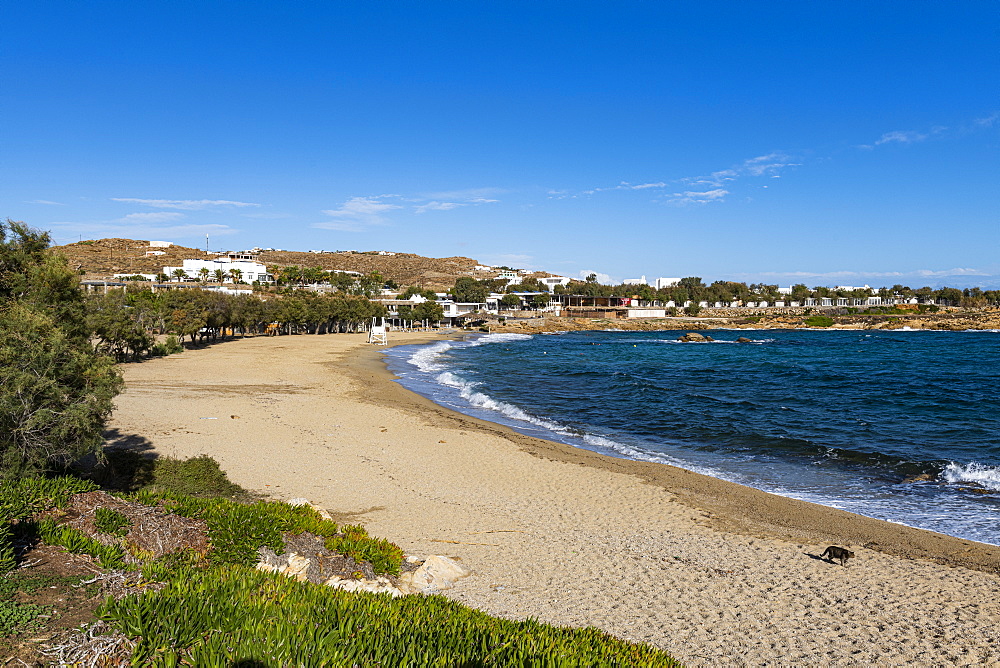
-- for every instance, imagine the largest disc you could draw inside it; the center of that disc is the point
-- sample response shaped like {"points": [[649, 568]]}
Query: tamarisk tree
{"points": [[56, 390]]}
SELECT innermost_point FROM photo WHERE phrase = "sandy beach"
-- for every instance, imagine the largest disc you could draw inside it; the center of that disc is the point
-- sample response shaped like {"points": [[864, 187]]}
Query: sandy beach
{"points": [[714, 573]]}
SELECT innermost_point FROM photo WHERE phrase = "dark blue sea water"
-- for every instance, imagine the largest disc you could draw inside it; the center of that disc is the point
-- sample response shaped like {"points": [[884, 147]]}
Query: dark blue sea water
{"points": [[899, 425]]}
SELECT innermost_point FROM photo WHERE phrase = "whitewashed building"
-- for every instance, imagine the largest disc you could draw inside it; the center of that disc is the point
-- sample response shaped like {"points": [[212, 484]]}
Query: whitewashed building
{"points": [[245, 262]]}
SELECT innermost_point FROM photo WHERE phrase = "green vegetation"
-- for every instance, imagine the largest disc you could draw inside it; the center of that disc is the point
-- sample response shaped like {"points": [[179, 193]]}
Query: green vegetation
{"points": [[234, 613], [818, 321], [112, 522], [7, 556], [24, 497], [217, 609], [56, 390], [198, 476], [170, 346], [16, 617], [74, 540]]}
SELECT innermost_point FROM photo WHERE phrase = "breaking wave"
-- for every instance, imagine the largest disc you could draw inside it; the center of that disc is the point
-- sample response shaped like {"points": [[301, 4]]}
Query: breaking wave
{"points": [[973, 473]]}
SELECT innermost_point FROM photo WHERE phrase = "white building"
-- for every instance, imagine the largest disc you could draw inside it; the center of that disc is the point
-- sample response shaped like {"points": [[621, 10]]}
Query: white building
{"points": [[661, 283], [635, 281], [245, 262], [552, 281]]}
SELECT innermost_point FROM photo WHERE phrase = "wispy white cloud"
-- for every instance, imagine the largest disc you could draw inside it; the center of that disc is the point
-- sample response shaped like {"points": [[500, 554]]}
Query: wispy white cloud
{"points": [[448, 206], [767, 165], [901, 137], [151, 217], [516, 260], [44, 201], [468, 194], [695, 197], [136, 229], [356, 214], [183, 204], [987, 121], [846, 274], [438, 206]]}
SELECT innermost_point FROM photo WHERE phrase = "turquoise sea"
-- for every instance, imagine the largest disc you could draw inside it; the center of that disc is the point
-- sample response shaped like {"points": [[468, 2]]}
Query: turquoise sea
{"points": [[899, 425]]}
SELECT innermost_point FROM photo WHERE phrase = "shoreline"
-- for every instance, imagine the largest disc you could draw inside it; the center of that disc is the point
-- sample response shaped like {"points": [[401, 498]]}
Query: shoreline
{"points": [[712, 572], [729, 506]]}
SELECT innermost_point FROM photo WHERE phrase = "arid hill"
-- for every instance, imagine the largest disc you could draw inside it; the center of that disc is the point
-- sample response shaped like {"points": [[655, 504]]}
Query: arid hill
{"points": [[102, 258]]}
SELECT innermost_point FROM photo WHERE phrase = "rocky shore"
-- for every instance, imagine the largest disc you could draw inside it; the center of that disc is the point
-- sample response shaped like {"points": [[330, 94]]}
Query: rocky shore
{"points": [[955, 320]]}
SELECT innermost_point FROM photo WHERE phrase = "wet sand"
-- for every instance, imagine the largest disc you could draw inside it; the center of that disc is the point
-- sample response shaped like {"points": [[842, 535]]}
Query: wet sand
{"points": [[713, 572]]}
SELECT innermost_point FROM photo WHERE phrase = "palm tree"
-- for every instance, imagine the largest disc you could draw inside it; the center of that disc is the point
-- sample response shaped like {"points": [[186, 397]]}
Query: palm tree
{"points": [[179, 274], [219, 275], [203, 273], [237, 274]]}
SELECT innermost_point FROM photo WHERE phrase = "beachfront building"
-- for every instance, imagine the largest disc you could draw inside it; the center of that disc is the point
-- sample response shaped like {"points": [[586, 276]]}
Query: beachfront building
{"points": [[244, 262], [662, 282], [552, 281]]}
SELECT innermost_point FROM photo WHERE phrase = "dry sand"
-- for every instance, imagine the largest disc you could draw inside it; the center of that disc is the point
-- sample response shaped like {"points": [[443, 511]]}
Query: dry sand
{"points": [[714, 573]]}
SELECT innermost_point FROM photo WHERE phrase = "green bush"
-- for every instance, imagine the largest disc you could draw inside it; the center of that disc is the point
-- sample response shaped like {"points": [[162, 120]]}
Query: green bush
{"points": [[234, 613], [110, 556], [111, 522], [22, 498], [198, 476], [818, 321], [7, 557], [237, 530]]}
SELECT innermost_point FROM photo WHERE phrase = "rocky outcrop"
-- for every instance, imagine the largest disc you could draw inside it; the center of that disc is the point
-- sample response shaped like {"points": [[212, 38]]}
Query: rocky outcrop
{"points": [[433, 575], [306, 558], [744, 339], [695, 337]]}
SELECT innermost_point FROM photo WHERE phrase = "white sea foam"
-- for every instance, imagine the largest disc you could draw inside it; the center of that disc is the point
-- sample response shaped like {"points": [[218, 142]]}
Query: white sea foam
{"points": [[469, 392], [425, 358], [984, 476], [496, 338]]}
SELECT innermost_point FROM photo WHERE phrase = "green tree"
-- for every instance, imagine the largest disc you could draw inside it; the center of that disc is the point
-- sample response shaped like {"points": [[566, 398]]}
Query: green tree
{"points": [[470, 291], [203, 274], [510, 301], [56, 391], [428, 310], [179, 274]]}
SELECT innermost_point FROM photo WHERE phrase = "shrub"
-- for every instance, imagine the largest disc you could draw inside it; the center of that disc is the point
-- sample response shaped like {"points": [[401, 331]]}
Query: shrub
{"points": [[818, 321], [198, 476], [22, 498], [111, 522], [226, 615], [110, 556], [7, 557]]}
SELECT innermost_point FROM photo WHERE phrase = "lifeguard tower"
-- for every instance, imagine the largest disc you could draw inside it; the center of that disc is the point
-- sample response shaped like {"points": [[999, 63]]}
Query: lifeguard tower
{"points": [[376, 334]]}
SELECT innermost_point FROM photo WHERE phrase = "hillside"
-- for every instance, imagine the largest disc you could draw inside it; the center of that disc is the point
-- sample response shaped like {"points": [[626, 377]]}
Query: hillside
{"points": [[102, 258]]}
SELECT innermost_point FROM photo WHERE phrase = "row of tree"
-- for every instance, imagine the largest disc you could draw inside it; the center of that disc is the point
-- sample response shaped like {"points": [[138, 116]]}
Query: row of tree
{"points": [[125, 323], [694, 289]]}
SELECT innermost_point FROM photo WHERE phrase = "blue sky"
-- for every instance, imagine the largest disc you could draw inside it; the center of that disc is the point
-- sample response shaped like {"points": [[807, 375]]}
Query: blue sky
{"points": [[824, 143]]}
